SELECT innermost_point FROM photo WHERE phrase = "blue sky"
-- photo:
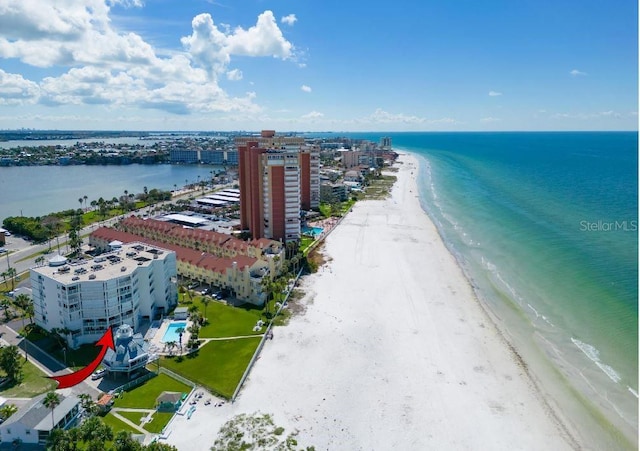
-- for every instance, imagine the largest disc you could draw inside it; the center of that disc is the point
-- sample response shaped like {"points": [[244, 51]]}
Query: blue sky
{"points": [[314, 66]]}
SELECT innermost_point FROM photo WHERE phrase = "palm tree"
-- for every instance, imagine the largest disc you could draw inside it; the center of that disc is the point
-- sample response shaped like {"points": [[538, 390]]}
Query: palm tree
{"points": [[11, 273], [40, 259], [85, 197], [205, 302], [81, 200], [171, 345], [180, 331], [51, 401]]}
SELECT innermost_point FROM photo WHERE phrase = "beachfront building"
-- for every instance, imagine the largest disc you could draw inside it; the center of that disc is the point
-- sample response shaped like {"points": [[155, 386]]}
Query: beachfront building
{"points": [[33, 423], [131, 283], [275, 185], [268, 139], [130, 356], [385, 143], [236, 266]]}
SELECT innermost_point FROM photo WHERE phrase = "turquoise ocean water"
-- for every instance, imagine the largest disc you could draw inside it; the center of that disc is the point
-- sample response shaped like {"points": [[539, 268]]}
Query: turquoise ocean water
{"points": [[545, 227]]}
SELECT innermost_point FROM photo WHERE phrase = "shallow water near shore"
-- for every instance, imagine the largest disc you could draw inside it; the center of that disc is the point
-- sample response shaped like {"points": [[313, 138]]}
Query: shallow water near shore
{"points": [[544, 225]]}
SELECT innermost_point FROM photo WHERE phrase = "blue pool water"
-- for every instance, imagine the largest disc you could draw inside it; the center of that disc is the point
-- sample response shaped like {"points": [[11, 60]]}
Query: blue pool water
{"points": [[313, 231], [171, 334]]}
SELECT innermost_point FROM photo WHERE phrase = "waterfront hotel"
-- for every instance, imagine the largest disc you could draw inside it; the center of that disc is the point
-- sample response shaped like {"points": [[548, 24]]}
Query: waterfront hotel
{"points": [[130, 284]]}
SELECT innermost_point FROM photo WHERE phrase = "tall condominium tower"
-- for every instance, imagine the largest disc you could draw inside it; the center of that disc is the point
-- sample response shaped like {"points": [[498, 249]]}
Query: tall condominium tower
{"points": [[275, 184]]}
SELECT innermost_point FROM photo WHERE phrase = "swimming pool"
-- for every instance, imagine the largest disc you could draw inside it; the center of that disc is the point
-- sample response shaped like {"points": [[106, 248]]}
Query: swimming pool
{"points": [[171, 334], [313, 231]]}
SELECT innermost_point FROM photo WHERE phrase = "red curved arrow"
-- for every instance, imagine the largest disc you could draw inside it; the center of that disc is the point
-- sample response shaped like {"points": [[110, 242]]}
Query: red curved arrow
{"points": [[69, 380]]}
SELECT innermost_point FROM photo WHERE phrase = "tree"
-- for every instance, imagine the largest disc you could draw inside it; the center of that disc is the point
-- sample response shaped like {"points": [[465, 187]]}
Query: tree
{"points": [[51, 401], [11, 274], [11, 363], [124, 442], [7, 410], [156, 446], [40, 260], [170, 344], [59, 440], [180, 331], [94, 430], [205, 302], [4, 304], [85, 197], [87, 403], [52, 224]]}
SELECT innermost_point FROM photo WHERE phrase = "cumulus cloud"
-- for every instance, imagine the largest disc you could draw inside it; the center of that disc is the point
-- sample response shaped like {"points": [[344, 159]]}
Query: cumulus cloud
{"points": [[234, 75], [14, 89], [305, 88], [490, 119], [577, 73], [113, 67], [289, 19], [494, 93]]}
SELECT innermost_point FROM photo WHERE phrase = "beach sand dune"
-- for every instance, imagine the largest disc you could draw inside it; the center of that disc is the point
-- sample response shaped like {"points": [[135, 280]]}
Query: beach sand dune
{"points": [[393, 350]]}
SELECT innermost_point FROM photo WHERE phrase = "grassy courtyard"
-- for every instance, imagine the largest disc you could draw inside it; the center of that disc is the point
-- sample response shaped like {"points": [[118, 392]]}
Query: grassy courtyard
{"points": [[159, 421], [117, 424], [218, 365], [228, 321], [33, 383], [144, 396]]}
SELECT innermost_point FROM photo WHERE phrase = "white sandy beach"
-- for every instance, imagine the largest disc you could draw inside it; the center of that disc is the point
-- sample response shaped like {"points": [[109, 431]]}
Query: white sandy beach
{"points": [[393, 351]]}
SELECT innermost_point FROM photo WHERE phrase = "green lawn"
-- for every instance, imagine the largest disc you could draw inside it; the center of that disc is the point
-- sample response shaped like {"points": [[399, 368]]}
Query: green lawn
{"points": [[77, 358], [218, 365], [34, 383], [144, 396], [134, 417], [118, 425], [228, 321], [159, 421]]}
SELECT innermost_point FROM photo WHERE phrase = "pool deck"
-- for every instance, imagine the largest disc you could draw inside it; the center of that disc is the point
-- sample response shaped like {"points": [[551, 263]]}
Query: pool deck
{"points": [[157, 346]]}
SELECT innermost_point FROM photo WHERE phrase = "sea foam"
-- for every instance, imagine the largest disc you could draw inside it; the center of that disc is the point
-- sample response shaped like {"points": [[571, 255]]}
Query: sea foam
{"points": [[594, 355]]}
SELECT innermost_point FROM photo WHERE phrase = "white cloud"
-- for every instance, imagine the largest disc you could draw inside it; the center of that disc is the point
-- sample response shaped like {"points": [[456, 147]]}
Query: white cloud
{"points": [[586, 116], [119, 68], [14, 89], [234, 75], [490, 119], [381, 116], [305, 88], [577, 73], [313, 115], [494, 93], [263, 39], [289, 19]]}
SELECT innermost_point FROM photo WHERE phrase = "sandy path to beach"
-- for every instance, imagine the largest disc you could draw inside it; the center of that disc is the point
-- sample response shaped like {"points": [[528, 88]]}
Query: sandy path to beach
{"points": [[393, 351]]}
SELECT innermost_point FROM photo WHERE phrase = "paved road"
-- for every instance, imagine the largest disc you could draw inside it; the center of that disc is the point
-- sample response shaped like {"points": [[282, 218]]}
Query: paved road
{"points": [[39, 358], [22, 249]]}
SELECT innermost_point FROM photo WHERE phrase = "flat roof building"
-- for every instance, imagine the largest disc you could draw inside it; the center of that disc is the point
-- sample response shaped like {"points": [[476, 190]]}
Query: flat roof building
{"points": [[131, 283]]}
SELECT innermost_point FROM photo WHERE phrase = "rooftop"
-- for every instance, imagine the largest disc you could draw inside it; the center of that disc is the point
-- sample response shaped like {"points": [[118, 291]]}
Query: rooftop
{"points": [[117, 263]]}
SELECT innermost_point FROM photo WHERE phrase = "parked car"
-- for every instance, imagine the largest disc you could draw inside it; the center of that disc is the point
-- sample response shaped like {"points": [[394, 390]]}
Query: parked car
{"points": [[98, 374], [7, 233]]}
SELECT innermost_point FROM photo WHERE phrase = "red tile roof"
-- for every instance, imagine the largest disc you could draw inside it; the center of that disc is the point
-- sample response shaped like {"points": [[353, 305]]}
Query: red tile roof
{"points": [[184, 254]]}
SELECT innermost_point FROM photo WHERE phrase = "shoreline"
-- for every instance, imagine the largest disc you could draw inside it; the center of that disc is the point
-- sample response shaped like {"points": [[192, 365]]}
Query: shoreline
{"points": [[562, 386], [403, 353]]}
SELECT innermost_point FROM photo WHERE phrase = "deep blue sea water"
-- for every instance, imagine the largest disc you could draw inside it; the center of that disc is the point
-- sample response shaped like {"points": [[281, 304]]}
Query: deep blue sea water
{"points": [[545, 227]]}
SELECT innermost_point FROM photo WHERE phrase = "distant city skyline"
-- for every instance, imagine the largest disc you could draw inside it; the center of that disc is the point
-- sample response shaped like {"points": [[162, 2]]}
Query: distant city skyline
{"points": [[318, 66]]}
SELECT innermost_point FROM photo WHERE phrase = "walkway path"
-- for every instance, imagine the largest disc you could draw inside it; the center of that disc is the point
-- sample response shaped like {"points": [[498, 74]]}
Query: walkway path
{"points": [[115, 413]]}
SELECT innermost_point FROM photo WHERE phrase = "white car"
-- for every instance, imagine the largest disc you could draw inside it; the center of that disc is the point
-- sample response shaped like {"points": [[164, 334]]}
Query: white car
{"points": [[98, 374]]}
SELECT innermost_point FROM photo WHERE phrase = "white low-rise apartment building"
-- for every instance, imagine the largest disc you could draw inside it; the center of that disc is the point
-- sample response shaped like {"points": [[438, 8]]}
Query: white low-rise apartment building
{"points": [[132, 283]]}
